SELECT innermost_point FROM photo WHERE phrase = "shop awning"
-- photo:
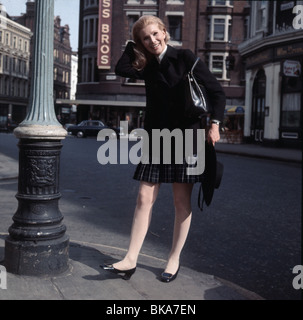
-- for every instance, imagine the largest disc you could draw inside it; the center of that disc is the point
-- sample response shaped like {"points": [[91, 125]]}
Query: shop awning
{"points": [[234, 110], [109, 103]]}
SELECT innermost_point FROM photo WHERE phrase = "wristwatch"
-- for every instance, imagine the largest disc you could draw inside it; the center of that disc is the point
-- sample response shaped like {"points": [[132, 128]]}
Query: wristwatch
{"points": [[217, 122]]}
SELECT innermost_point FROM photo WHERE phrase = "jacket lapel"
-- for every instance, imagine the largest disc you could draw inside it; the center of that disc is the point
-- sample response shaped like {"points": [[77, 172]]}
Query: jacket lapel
{"points": [[166, 71], [169, 68]]}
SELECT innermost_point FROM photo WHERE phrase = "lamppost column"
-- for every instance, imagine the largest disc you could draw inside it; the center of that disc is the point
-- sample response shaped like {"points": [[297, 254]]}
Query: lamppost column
{"points": [[37, 243]]}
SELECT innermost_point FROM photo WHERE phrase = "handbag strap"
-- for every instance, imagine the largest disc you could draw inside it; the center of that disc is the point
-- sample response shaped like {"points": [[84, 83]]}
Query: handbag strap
{"points": [[192, 69]]}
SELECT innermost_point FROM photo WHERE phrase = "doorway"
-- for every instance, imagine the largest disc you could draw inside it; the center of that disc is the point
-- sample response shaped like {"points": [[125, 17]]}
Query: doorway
{"points": [[258, 108]]}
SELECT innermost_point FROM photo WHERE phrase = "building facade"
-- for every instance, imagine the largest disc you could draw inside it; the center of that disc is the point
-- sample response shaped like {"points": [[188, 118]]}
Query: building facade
{"points": [[62, 69], [211, 29], [273, 57], [14, 71], [221, 28]]}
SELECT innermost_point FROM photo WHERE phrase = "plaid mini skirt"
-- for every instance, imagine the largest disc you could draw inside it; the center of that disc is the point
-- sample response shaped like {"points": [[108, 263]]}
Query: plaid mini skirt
{"points": [[165, 173], [153, 172]]}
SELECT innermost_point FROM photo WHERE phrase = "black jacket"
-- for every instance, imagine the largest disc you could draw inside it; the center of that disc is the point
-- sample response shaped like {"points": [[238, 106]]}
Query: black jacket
{"points": [[165, 85]]}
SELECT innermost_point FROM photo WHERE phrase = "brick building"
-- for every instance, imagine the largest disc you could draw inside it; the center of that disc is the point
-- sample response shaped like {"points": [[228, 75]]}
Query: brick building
{"points": [[211, 29]]}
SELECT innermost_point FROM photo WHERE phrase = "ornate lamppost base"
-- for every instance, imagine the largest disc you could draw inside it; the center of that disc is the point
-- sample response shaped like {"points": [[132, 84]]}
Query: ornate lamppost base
{"points": [[41, 258], [37, 244]]}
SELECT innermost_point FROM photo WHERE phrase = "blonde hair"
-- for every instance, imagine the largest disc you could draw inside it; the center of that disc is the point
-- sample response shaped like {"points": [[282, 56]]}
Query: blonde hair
{"points": [[142, 55]]}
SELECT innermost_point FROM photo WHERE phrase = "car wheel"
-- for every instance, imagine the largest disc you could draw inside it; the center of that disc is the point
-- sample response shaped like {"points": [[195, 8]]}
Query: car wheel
{"points": [[80, 134]]}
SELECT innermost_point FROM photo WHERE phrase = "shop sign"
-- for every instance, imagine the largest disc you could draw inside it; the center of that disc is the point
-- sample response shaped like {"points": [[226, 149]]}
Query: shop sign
{"points": [[65, 110], [295, 49], [259, 58], [284, 15], [104, 34], [292, 68]]}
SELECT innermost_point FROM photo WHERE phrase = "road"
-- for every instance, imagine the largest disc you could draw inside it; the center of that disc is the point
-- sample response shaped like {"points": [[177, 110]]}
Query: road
{"points": [[250, 235]]}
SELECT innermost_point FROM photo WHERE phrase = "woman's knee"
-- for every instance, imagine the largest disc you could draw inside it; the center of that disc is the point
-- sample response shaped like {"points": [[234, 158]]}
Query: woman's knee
{"points": [[182, 197], [182, 203], [147, 195]]}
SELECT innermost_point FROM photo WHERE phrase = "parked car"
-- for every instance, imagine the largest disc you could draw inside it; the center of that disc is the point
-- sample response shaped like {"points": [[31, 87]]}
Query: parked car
{"points": [[88, 128], [67, 125]]}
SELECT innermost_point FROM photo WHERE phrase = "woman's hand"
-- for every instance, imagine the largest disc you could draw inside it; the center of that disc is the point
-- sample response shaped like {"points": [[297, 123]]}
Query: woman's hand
{"points": [[213, 134]]}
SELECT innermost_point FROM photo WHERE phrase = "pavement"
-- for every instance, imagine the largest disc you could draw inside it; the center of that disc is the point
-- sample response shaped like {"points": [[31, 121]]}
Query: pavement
{"points": [[85, 280]]}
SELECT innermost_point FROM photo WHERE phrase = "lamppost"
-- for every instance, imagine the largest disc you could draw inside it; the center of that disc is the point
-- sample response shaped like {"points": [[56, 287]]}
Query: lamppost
{"points": [[37, 243]]}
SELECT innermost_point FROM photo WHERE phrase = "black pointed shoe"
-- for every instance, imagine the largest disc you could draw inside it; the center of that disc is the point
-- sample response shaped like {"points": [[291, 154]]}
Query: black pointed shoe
{"points": [[127, 273], [168, 277]]}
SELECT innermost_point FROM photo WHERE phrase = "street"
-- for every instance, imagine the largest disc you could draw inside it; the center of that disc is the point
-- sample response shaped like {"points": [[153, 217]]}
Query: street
{"points": [[250, 235]]}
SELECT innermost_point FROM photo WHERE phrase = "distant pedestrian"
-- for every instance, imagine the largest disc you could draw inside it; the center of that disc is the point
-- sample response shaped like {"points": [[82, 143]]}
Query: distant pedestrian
{"points": [[9, 123]]}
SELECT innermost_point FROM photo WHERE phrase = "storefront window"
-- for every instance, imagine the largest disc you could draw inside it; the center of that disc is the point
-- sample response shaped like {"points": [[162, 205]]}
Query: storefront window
{"points": [[291, 106]]}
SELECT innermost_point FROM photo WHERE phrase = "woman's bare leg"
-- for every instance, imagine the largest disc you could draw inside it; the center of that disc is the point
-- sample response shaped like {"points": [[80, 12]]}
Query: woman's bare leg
{"points": [[183, 214], [147, 196]]}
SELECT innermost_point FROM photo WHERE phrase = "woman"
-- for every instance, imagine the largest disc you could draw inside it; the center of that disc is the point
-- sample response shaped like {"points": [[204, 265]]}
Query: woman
{"points": [[163, 68]]}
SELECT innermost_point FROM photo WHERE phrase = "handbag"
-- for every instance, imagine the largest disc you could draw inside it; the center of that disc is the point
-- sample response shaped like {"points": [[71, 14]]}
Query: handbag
{"points": [[197, 102]]}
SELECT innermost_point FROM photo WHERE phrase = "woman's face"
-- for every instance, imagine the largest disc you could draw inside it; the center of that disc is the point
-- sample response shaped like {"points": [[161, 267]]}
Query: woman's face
{"points": [[153, 39]]}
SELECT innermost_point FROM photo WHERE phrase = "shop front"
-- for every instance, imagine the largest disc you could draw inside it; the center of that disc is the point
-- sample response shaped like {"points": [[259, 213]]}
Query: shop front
{"points": [[291, 101], [233, 125], [109, 112], [274, 95], [11, 115]]}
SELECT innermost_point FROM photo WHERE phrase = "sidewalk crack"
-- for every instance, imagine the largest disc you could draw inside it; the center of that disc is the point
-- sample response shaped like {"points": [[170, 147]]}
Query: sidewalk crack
{"points": [[57, 289]]}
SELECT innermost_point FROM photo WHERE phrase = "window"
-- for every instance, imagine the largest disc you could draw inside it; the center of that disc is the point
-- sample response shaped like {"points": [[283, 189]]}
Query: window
{"points": [[55, 73], [219, 28], [7, 38], [174, 2], [133, 1], [90, 30], [214, 3], [217, 65], [90, 3], [6, 62], [132, 18], [89, 69], [291, 109], [261, 14], [246, 28], [6, 86], [175, 28]]}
